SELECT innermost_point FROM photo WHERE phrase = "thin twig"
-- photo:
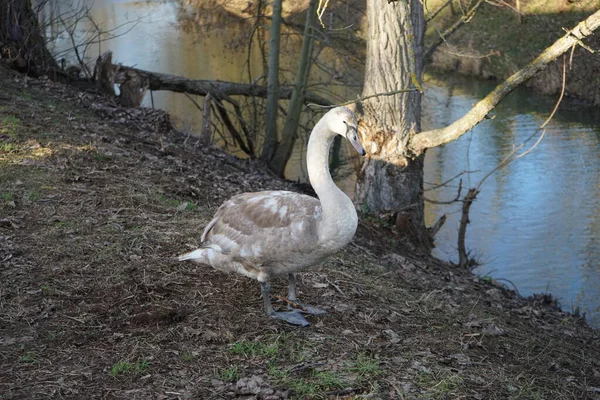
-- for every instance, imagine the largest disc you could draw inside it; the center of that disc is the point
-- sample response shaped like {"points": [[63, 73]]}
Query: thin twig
{"points": [[290, 302], [454, 200], [360, 98], [433, 187]]}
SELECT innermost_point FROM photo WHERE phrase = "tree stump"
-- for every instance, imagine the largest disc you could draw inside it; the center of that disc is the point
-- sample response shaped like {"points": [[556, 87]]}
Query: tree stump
{"points": [[133, 89], [105, 73]]}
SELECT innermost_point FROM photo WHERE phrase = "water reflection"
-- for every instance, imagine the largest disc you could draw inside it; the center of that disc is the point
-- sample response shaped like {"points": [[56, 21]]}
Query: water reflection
{"points": [[169, 38], [536, 221]]}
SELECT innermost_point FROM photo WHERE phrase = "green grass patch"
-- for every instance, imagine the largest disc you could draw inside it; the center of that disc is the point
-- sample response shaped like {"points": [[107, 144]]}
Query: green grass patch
{"points": [[127, 368], [28, 96], [230, 374], [9, 125], [283, 347], [303, 388], [329, 380], [7, 196], [309, 384], [287, 355], [51, 335], [27, 358], [9, 147], [306, 380], [171, 202], [438, 384], [254, 349], [191, 207], [63, 224], [49, 290], [33, 196], [364, 366], [101, 157], [187, 356]]}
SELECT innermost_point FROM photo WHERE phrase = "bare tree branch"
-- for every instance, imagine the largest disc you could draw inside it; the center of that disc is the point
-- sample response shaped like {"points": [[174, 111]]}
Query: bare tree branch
{"points": [[235, 134], [464, 259], [454, 200], [439, 185], [438, 137], [450, 31], [439, 10]]}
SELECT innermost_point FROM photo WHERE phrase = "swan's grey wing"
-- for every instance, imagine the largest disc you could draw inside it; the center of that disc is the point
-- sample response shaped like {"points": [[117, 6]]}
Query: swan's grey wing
{"points": [[265, 227]]}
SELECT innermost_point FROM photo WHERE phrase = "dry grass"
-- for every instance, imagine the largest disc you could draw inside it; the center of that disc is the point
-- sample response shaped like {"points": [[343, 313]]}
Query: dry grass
{"points": [[94, 305]]}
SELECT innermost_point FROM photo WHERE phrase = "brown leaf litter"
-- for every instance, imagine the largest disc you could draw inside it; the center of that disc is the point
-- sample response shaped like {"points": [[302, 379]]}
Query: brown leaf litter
{"points": [[96, 204]]}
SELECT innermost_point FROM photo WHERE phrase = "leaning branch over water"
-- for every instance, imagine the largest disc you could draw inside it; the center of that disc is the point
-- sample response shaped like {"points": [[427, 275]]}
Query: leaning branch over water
{"points": [[438, 137]]}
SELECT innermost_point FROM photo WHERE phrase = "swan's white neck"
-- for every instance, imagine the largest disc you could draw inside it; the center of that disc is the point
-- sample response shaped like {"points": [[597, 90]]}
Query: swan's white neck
{"points": [[339, 220], [317, 159]]}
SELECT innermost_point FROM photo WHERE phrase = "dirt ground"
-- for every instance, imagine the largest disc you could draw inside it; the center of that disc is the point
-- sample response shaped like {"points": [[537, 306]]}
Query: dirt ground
{"points": [[95, 204]]}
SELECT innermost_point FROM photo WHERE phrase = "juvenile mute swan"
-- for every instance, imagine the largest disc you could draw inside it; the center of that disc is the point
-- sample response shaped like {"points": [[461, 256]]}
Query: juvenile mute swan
{"points": [[267, 234]]}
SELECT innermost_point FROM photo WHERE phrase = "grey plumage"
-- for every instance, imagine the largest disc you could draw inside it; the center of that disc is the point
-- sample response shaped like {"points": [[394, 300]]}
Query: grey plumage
{"points": [[267, 234]]}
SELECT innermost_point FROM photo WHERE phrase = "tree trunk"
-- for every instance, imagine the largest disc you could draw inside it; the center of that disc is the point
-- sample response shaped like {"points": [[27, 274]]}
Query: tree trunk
{"points": [[391, 179], [21, 40], [270, 142], [290, 128]]}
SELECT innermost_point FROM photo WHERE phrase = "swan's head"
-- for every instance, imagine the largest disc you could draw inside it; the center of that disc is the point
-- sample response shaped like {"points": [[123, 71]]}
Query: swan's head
{"points": [[342, 121]]}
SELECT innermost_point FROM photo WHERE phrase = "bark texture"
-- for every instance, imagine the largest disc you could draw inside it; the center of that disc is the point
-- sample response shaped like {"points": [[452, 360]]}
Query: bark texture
{"points": [[22, 42], [391, 179], [105, 73], [132, 90], [270, 143]]}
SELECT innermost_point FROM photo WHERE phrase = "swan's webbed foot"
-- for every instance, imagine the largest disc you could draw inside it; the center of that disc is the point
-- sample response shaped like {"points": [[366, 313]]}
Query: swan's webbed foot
{"points": [[294, 304], [291, 317], [306, 308]]}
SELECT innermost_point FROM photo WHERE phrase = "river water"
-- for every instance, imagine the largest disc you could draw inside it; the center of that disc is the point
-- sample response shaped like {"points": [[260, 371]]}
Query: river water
{"points": [[536, 222]]}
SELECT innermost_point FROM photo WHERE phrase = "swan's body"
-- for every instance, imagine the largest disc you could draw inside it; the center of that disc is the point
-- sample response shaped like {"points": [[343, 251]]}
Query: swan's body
{"points": [[267, 234]]}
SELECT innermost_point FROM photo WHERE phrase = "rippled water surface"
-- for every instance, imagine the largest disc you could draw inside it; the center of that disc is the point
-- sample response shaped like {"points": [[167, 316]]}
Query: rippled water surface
{"points": [[536, 222]]}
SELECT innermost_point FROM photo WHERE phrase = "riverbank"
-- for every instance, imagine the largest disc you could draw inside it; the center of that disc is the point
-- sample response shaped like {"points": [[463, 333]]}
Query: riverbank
{"points": [[499, 40], [96, 202]]}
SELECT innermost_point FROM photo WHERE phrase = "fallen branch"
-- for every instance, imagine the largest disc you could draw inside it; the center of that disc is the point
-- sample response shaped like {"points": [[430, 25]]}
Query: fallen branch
{"points": [[438, 137], [218, 89]]}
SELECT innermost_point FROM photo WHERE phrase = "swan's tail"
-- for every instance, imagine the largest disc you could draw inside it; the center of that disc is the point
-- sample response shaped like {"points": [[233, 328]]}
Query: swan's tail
{"points": [[197, 255]]}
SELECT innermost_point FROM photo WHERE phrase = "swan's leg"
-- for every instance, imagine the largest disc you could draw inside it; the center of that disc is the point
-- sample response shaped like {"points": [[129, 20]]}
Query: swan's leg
{"points": [[291, 317], [292, 288], [292, 297]]}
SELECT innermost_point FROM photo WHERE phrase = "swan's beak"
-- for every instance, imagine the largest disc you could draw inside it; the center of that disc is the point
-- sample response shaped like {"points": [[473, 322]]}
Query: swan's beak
{"points": [[352, 136]]}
